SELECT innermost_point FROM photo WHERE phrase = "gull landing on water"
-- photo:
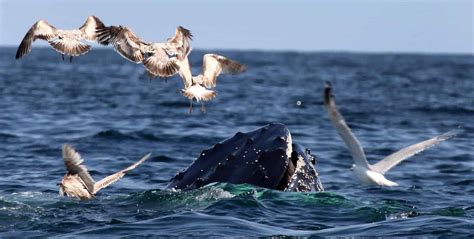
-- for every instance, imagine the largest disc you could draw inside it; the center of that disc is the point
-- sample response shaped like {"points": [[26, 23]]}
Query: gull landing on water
{"points": [[195, 87], [66, 42], [373, 173], [78, 183]]}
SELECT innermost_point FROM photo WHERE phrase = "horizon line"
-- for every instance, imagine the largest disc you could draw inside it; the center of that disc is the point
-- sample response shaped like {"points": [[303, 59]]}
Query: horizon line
{"points": [[375, 52]]}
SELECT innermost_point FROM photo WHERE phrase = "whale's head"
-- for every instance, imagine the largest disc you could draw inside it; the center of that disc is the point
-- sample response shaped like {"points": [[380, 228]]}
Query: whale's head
{"points": [[266, 157]]}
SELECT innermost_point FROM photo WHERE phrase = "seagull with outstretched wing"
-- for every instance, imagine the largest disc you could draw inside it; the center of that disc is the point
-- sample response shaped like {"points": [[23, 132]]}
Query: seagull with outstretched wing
{"points": [[159, 59], [78, 183], [66, 42], [373, 173], [196, 87]]}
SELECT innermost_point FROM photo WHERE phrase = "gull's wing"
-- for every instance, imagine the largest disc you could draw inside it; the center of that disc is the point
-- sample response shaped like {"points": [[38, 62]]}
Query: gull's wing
{"points": [[213, 65], [180, 42], [124, 41], [172, 58], [40, 30], [118, 175], [185, 73], [90, 26], [393, 159], [73, 162], [354, 146], [160, 63]]}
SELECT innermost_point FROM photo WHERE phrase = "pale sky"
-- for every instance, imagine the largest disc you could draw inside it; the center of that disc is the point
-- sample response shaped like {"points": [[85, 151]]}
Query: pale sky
{"points": [[419, 26]]}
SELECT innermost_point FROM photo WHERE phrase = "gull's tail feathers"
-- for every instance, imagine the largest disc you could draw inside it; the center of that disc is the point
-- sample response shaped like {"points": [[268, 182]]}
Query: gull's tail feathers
{"points": [[199, 93]]}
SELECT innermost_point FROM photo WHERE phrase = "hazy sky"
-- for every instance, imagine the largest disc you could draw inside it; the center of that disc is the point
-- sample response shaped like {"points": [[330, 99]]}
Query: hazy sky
{"points": [[438, 26]]}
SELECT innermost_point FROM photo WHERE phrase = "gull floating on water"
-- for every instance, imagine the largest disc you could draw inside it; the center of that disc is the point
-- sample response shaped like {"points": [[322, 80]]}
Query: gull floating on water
{"points": [[373, 173], [159, 59], [78, 182], [196, 87], [66, 42]]}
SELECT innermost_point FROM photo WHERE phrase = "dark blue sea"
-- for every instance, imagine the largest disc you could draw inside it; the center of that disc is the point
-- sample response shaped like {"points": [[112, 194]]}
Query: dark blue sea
{"points": [[109, 110]]}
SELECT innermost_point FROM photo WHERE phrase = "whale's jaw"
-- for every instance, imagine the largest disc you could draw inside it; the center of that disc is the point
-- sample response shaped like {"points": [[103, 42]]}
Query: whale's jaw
{"points": [[304, 178]]}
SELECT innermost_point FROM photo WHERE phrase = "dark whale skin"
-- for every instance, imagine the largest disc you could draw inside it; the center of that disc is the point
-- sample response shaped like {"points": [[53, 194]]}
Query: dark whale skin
{"points": [[262, 157]]}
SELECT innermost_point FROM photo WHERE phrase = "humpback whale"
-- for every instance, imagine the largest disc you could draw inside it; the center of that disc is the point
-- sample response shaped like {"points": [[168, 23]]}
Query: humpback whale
{"points": [[266, 157]]}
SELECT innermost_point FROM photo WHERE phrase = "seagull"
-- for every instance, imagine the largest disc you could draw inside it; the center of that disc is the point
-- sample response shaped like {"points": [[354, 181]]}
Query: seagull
{"points": [[78, 183], [373, 173], [196, 87], [159, 59], [66, 42]]}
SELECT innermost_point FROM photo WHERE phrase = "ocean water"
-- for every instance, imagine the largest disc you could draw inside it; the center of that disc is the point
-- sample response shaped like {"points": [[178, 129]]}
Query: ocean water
{"points": [[112, 114]]}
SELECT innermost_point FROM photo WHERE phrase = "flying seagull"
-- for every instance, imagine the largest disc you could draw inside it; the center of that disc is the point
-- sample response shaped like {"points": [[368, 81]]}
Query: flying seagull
{"points": [[78, 183], [373, 173], [66, 42], [159, 59], [196, 87]]}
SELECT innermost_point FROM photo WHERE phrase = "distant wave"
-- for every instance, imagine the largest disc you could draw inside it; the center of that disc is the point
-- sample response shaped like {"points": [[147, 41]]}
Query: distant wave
{"points": [[119, 135], [179, 104], [7, 135], [466, 182], [112, 134], [452, 109]]}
